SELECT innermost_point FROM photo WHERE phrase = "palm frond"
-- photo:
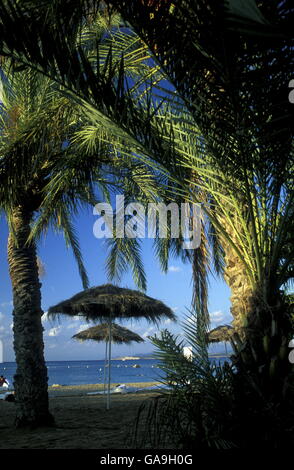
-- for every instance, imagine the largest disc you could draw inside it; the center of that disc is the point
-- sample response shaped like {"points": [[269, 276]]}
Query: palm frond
{"points": [[72, 241], [124, 254]]}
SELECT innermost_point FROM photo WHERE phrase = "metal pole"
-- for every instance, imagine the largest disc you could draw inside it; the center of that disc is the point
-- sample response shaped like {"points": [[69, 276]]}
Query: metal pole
{"points": [[109, 360], [105, 362]]}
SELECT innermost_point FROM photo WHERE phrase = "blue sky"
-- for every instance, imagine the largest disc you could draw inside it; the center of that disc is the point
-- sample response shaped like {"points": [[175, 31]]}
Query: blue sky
{"points": [[62, 281]]}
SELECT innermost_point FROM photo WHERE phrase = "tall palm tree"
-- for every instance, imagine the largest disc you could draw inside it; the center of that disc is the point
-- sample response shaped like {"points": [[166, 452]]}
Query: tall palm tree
{"points": [[255, 236], [44, 182], [35, 123], [45, 178], [231, 66]]}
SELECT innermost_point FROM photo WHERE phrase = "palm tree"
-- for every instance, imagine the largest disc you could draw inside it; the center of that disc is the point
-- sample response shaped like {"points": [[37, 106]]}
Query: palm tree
{"points": [[253, 220], [48, 179], [35, 122], [46, 182], [231, 68]]}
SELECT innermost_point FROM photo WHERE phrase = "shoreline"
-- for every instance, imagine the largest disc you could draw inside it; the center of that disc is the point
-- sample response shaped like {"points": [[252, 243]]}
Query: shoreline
{"points": [[58, 390], [82, 390]]}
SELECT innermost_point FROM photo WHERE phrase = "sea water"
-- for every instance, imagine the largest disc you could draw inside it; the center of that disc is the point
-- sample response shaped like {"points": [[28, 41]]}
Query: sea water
{"points": [[93, 372]]}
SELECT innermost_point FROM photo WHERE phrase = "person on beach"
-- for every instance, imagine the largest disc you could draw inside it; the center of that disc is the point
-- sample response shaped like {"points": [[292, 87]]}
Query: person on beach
{"points": [[3, 381]]}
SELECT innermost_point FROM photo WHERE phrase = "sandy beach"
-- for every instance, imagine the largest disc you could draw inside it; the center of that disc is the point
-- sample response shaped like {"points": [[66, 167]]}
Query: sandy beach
{"points": [[82, 421]]}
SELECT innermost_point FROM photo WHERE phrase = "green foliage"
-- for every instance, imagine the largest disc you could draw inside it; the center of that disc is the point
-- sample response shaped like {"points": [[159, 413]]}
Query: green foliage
{"points": [[64, 154], [195, 408], [207, 405]]}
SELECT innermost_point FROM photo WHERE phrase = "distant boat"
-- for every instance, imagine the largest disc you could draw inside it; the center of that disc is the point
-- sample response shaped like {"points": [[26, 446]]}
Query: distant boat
{"points": [[127, 358]]}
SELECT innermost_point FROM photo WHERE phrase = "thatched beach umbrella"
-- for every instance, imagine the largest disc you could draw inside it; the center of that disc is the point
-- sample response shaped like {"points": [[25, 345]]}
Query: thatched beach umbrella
{"points": [[221, 333], [109, 302], [117, 334]]}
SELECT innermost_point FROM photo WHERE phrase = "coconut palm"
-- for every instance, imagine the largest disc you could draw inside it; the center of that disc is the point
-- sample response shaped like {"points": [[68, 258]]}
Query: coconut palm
{"points": [[35, 122], [29, 149], [252, 231], [235, 86], [47, 179], [124, 119], [45, 182]]}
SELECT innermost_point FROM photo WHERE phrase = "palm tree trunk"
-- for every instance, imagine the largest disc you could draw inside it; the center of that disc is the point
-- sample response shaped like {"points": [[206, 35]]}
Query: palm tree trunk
{"points": [[30, 380], [241, 290], [261, 320]]}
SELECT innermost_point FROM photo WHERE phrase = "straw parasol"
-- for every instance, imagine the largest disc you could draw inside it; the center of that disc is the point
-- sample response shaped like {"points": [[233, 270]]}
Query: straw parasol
{"points": [[118, 334], [109, 302], [221, 333]]}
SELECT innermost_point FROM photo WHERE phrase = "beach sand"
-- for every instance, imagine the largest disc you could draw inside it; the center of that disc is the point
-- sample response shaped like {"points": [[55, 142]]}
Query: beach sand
{"points": [[82, 421]]}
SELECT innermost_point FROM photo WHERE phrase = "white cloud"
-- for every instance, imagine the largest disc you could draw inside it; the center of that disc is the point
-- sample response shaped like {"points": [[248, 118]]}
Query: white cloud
{"points": [[83, 327], [76, 318], [71, 326], [217, 317], [5, 321], [73, 323], [54, 331], [6, 304], [133, 327], [174, 269], [148, 332], [168, 321]]}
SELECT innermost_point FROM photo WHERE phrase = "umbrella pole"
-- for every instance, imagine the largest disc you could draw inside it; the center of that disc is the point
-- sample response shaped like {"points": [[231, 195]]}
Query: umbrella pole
{"points": [[105, 362], [109, 361]]}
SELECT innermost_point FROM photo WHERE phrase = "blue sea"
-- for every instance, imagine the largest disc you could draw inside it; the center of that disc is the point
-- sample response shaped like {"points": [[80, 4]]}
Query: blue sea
{"points": [[92, 372]]}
